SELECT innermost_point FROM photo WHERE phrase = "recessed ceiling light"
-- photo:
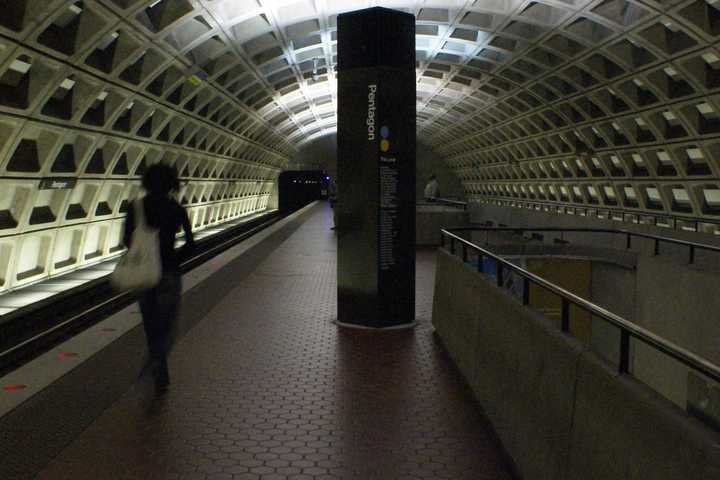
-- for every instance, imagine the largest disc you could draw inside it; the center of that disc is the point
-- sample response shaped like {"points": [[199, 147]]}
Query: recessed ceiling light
{"points": [[67, 84], [20, 66]]}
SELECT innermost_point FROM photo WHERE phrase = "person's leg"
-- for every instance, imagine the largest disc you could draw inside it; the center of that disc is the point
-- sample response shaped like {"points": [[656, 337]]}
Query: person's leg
{"points": [[148, 308], [166, 323], [334, 209]]}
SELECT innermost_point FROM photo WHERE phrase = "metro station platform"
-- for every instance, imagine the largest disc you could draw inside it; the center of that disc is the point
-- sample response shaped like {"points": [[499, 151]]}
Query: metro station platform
{"points": [[266, 386]]}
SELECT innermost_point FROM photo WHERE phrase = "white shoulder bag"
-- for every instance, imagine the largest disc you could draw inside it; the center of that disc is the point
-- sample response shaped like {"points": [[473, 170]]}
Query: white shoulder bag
{"points": [[140, 267]]}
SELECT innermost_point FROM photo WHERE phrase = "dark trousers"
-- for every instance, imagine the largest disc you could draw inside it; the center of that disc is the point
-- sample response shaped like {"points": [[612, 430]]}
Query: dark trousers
{"points": [[159, 307]]}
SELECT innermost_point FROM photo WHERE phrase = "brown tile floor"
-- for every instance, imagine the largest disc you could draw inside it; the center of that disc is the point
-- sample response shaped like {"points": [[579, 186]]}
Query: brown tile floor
{"points": [[267, 387]]}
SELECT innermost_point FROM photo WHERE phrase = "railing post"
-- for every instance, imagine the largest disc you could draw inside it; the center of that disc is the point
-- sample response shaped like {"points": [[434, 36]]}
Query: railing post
{"points": [[657, 246], [499, 273], [481, 268], [452, 245], [442, 240], [565, 316], [464, 253], [624, 364], [628, 241], [526, 291], [692, 254]]}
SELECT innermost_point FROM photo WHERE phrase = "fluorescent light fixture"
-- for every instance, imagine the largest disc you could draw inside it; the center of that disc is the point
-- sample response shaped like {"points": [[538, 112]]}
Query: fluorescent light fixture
{"points": [[20, 66], [694, 153], [681, 195], [663, 156], [712, 196], [710, 58], [67, 84], [704, 108], [653, 193]]}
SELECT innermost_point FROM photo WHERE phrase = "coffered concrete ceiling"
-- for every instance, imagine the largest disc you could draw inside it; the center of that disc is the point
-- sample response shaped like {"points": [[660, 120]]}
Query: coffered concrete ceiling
{"points": [[602, 107]]}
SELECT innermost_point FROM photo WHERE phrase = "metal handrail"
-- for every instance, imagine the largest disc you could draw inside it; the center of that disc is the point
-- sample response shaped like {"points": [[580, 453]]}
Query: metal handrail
{"points": [[627, 328], [658, 239], [448, 201]]}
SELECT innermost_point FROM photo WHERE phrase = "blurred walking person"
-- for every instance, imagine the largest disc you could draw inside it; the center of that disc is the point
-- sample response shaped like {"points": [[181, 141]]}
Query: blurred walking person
{"points": [[333, 196], [160, 305]]}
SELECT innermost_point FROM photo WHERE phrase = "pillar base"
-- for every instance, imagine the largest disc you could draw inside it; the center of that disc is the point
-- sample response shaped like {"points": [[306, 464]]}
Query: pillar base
{"points": [[402, 326]]}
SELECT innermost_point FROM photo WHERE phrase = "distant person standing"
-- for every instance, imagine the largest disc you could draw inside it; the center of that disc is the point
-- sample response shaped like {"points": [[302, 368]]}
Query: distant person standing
{"points": [[432, 189], [333, 197], [159, 305]]}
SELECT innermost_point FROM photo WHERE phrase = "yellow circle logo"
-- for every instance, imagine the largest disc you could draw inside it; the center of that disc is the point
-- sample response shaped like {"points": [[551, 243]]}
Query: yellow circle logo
{"points": [[384, 145]]}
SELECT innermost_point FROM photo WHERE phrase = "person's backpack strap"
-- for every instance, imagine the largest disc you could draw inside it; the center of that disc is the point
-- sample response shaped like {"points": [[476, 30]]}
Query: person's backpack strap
{"points": [[139, 206]]}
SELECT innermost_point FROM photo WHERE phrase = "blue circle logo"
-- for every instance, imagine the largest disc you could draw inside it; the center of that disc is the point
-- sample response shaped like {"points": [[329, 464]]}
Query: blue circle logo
{"points": [[384, 132]]}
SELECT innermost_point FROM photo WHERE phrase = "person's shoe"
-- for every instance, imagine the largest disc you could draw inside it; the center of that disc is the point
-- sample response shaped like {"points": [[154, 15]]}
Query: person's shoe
{"points": [[333, 228], [149, 370], [162, 382], [162, 374], [161, 388]]}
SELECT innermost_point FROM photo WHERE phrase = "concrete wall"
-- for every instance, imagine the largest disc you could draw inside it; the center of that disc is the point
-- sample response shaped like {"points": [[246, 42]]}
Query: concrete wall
{"points": [[480, 213], [608, 281], [612, 286], [680, 304], [670, 299], [560, 411], [662, 293], [274, 201], [321, 154], [572, 274], [428, 163], [430, 219]]}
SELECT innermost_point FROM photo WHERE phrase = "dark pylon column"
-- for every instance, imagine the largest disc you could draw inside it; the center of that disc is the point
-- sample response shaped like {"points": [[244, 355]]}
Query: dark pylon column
{"points": [[376, 168]]}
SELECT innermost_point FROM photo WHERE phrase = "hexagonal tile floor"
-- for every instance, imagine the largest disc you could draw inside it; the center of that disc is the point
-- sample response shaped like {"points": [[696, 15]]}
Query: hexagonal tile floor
{"points": [[267, 387]]}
